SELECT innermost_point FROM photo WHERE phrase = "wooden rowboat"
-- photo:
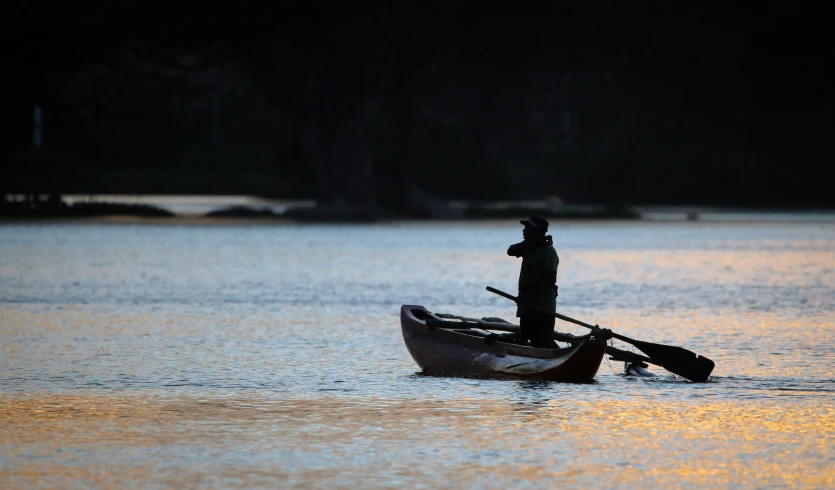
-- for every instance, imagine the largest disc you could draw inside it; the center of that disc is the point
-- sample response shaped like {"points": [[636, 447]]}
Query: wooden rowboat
{"points": [[455, 348]]}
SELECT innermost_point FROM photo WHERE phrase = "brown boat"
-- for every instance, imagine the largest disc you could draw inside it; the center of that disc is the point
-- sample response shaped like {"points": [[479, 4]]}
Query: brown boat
{"points": [[461, 348]]}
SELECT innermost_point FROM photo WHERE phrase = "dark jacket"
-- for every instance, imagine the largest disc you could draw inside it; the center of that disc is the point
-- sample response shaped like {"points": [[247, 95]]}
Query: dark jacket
{"points": [[538, 274]]}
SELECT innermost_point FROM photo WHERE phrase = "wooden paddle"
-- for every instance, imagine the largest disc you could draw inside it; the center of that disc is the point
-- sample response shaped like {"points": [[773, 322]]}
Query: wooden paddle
{"points": [[677, 360]]}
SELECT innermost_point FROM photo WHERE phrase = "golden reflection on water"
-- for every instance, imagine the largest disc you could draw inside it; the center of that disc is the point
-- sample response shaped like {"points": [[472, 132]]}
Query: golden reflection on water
{"points": [[251, 440], [195, 357]]}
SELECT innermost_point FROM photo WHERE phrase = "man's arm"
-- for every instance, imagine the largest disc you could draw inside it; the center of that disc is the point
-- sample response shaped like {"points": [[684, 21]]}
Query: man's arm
{"points": [[517, 249]]}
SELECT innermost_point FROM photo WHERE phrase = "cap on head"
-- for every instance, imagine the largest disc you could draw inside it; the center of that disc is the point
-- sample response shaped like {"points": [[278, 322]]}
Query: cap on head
{"points": [[536, 222]]}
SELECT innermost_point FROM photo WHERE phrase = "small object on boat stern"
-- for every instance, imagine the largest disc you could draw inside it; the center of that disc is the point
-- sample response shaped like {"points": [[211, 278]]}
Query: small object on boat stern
{"points": [[637, 369]]}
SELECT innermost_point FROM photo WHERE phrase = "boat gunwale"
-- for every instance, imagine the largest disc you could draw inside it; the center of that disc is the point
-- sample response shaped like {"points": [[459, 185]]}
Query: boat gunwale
{"points": [[482, 343]]}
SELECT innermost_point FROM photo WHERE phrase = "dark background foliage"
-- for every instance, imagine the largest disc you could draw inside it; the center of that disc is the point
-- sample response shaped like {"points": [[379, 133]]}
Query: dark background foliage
{"points": [[380, 105]]}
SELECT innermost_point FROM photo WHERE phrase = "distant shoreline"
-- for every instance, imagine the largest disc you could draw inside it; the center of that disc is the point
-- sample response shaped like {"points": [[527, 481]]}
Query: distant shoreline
{"points": [[277, 221], [214, 210]]}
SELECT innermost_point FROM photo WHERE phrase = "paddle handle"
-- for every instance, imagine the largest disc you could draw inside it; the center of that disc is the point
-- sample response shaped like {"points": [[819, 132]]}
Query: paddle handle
{"points": [[558, 315]]}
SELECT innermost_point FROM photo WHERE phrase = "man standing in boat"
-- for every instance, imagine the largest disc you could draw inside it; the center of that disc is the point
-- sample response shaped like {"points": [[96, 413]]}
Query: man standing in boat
{"points": [[537, 282]]}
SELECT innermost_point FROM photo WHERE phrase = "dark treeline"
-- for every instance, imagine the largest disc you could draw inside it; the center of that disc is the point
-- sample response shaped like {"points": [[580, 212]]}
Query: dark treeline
{"points": [[399, 106]]}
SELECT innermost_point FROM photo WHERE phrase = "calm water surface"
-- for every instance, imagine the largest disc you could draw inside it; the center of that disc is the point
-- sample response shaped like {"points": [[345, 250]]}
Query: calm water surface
{"points": [[236, 356]]}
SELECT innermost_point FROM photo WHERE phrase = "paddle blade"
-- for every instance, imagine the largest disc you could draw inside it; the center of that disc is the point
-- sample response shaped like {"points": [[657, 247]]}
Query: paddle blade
{"points": [[678, 360]]}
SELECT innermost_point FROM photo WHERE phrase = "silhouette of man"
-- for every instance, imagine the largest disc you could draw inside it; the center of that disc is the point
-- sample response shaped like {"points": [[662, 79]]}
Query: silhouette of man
{"points": [[537, 282]]}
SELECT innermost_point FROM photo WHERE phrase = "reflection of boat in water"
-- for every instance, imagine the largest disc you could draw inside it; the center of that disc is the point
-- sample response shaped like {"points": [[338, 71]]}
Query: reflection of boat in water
{"points": [[459, 348]]}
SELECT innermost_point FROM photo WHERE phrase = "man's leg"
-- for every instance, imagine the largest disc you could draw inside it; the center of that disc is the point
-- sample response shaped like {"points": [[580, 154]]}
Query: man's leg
{"points": [[527, 324], [539, 329], [548, 322]]}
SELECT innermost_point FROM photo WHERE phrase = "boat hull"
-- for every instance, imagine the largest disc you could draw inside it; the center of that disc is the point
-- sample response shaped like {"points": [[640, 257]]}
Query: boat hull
{"points": [[458, 352]]}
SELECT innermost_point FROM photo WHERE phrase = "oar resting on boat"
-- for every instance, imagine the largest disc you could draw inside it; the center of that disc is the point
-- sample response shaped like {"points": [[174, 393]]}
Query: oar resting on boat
{"points": [[636, 364]]}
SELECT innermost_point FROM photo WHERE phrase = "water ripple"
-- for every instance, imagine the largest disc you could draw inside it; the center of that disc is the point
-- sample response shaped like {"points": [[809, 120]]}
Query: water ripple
{"points": [[271, 356]]}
